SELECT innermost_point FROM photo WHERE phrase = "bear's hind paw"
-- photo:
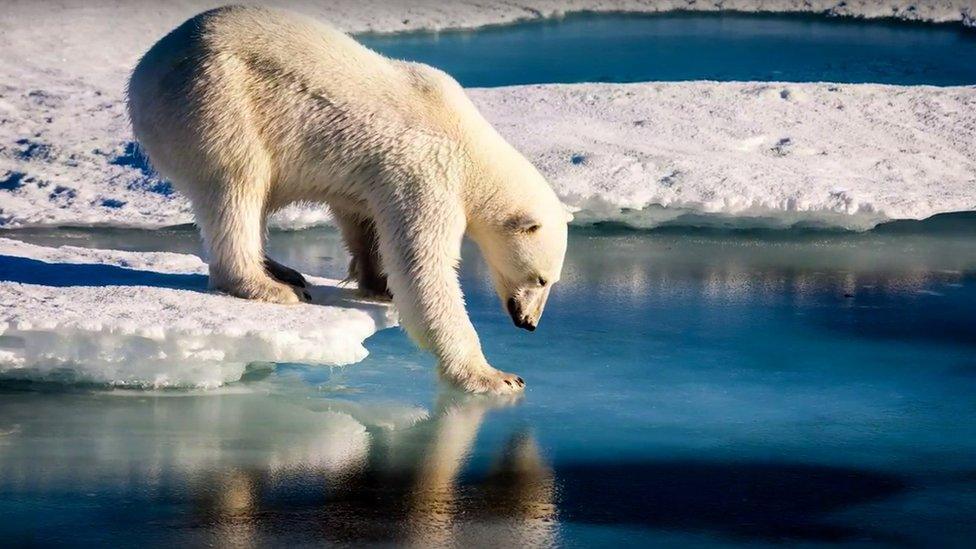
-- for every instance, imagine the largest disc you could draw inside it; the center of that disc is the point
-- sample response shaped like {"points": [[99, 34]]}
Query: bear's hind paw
{"points": [[269, 291], [373, 295]]}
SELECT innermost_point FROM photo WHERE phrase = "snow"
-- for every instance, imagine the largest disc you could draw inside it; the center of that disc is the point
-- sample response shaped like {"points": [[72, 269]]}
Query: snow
{"points": [[754, 154], [145, 319]]}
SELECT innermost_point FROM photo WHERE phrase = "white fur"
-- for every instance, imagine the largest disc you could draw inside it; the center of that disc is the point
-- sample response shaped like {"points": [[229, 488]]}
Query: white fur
{"points": [[247, 110]]}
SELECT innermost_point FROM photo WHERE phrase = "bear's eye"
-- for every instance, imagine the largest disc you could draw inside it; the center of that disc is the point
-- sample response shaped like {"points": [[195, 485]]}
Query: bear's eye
{"points": [[543, 282], [522, 224]]}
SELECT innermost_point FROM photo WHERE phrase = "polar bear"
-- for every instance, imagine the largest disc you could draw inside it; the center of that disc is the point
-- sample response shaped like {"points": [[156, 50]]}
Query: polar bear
{"points": [[247, 109]]}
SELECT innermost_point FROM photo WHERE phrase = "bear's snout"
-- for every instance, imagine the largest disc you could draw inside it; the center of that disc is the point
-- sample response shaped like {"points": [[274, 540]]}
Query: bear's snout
{"points": [[520, 319]]}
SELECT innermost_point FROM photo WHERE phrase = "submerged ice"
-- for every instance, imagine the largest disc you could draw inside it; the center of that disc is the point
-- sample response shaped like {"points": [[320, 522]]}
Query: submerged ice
{"points": [[146, 319]]}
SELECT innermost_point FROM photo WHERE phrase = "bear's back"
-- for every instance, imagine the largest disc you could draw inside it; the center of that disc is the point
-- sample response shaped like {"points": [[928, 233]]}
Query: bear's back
{"points": [[269, 54], [269, 42]]}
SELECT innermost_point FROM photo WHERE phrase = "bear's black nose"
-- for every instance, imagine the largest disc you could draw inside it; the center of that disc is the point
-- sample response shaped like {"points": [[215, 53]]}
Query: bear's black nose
{"points": [[523, 323], [518, 318]]}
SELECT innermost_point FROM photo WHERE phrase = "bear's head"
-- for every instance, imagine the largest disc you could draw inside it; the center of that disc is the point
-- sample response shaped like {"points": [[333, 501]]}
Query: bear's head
{"points": [[524, 250]]}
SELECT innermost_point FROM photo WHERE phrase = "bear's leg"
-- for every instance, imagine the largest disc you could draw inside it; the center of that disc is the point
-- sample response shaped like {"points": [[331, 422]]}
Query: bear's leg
{"points": [[232, 225], [420, 243], [284, 274], [278, 271], [365, 267]]}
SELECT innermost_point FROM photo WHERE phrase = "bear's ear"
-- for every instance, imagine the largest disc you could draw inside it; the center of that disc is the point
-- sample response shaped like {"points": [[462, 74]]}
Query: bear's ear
{"points": [[522, 223], [569, 213]]}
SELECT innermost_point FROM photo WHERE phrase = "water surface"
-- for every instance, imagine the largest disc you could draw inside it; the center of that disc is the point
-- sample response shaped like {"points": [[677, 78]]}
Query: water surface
{"points": [[695, 387], [695, 46]]}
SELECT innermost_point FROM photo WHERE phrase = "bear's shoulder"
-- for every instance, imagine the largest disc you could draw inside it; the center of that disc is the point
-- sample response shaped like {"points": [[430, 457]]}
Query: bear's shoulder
{"points": [[428, 81]]}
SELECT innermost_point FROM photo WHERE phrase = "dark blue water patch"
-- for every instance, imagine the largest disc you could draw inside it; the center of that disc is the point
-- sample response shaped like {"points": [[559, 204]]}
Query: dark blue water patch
{"points": [[133, 157], [12, 181], [750, 501], [153, 185], [62, 192], [695, 46], [31, 150], [112, 203]]}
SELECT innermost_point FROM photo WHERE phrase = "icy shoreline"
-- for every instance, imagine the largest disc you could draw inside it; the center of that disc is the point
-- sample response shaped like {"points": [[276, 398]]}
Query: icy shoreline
{"points": [[145, 319]]}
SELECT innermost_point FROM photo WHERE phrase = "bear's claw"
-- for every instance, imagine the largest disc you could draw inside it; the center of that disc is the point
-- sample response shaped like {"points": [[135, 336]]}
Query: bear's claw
{"points": [[284, 274], [493, 382]]}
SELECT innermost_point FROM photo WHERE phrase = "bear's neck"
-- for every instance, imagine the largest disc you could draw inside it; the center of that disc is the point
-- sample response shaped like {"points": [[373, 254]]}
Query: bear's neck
{"points": [[490, 188], [498, 180]]}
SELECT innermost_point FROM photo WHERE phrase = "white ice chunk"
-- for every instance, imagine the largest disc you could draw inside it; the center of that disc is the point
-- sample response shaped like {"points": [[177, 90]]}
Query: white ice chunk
{"points": [[146, 319]]}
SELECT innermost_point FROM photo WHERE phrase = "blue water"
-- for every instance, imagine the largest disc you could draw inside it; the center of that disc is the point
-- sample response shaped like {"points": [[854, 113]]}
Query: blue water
{"points": [[695, 46], [697, 387]]}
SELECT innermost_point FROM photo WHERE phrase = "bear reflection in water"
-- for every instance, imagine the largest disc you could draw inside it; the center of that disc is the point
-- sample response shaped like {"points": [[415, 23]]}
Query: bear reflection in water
{"points": [[409, 490], [257, 469]]}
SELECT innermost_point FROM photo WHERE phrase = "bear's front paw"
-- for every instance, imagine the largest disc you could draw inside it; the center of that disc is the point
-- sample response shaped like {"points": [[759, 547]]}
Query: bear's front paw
{"points": [[490, 381]]}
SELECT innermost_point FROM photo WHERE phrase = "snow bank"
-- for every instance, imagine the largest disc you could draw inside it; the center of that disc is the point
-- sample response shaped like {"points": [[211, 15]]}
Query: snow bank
{"points": [[756, 154], [145, 319], [681, 153]]}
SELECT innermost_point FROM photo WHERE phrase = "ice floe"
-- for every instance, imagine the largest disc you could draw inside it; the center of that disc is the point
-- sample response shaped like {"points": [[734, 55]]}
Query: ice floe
{"points": [[146, 319]]}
